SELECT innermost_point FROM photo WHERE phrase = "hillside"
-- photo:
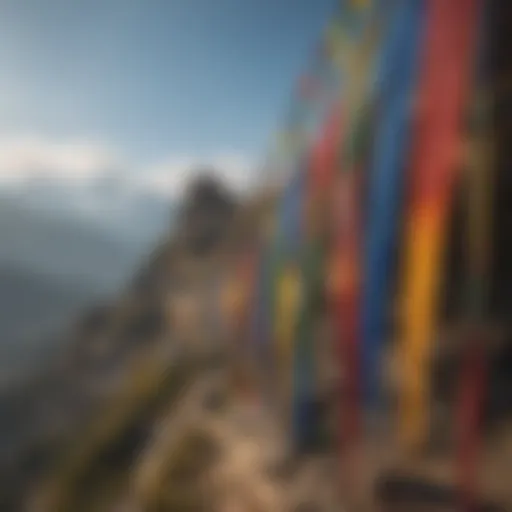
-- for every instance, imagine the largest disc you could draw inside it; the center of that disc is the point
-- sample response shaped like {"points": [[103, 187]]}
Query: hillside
{"points": [[33, 309], [119, 353]]}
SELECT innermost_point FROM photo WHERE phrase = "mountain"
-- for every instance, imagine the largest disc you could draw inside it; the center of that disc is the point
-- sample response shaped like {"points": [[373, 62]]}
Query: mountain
{"points": [[111, 203], [33, 309], [53, 264], [93, 409], [65, 248]]}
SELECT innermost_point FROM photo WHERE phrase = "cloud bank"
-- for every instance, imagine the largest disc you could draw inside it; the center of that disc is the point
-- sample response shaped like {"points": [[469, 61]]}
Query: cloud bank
{"points": [[84, 165], [91, 182]]}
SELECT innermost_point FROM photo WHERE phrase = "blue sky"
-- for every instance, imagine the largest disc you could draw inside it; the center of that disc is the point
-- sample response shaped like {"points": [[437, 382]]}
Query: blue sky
{"points": [[152, 80]]}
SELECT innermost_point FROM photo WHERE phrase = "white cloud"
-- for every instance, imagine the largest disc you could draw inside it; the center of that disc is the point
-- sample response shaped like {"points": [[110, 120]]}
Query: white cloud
{"points": [[172, 176], [82, 164], [27, 158]]}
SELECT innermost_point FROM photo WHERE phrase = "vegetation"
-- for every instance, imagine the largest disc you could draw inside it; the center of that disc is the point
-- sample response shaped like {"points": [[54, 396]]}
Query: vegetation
{"points": [[110, 443]]}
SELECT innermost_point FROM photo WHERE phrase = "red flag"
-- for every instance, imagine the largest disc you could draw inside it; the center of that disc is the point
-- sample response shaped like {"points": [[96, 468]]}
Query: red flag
{"points": [[324, 157]]}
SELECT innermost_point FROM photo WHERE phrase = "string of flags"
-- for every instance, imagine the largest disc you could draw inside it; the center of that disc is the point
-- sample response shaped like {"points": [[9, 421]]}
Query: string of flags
{"points": [[371, 149]]}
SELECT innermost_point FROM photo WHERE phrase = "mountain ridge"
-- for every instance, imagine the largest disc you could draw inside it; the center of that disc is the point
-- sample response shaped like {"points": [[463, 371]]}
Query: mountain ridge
{"points": [[33, 309]]}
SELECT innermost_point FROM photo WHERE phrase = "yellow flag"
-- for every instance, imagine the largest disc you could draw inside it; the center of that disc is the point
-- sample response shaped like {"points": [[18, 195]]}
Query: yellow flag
{"points": [[288, 301], [337, 43]]}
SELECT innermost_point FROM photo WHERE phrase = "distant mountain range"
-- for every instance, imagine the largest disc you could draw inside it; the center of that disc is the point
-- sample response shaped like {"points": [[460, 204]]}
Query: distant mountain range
{"points": [[55, 260], [99, 254], [33, 309], [124, 211]]}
